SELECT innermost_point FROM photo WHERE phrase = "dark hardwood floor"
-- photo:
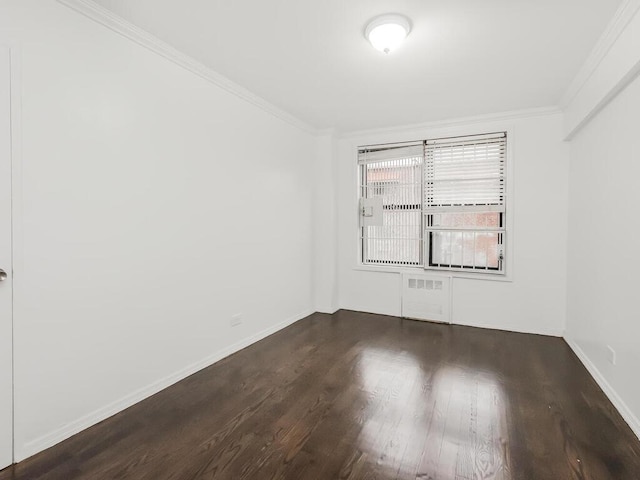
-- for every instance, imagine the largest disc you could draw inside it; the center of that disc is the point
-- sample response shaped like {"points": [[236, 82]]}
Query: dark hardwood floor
{"points": [[360, 396]]}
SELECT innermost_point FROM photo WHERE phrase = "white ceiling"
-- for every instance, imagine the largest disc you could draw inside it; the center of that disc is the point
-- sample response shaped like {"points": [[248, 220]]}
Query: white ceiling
{"points": [[310, 58]]}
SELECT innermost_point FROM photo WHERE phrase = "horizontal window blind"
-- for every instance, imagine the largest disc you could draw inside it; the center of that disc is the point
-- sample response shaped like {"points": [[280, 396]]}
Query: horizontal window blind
{"points": [[465, 173]]}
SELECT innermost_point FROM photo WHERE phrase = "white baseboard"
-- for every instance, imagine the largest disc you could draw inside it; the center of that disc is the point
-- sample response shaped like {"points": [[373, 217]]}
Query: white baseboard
{"points": [[326, 309], [608, 390], [66, 431], [549, 332]]}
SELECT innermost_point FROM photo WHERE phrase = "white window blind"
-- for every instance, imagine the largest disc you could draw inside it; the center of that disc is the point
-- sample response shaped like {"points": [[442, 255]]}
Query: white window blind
{"points": [[465, 172], [394, 174]]}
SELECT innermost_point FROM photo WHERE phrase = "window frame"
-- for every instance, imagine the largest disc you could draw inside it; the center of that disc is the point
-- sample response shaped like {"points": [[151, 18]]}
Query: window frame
{"points": [[507, 217]]}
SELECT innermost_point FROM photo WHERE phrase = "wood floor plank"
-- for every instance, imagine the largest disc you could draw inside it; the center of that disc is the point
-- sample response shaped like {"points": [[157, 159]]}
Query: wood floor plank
{"points": [[359, 396]]}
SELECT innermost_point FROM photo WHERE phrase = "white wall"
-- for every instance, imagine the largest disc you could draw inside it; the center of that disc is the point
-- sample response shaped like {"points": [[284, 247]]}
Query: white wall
{"points": [[534, 297], [604, 239], [151, 207]]}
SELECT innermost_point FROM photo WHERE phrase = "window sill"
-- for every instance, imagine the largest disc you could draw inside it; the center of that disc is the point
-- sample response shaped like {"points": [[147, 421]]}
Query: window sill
{"points": [[492, 277]]}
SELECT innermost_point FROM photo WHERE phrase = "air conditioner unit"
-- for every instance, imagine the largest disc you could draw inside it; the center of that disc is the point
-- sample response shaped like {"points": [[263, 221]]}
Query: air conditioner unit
{"points": [[426, 297]]}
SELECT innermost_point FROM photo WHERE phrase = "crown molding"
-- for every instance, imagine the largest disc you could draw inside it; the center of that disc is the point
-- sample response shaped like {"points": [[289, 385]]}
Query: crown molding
{"points": [[105, 17], [326, 132], [456, 122], [615, 27]]}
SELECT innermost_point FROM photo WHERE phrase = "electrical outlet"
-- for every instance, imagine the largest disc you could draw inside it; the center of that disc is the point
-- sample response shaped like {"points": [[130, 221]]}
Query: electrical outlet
{"points": [[611, 353], [236, 320]]}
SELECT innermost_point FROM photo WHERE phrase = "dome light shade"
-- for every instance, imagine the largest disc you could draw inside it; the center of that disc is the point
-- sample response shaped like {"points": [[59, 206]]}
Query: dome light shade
{"points": [[387, 32]]}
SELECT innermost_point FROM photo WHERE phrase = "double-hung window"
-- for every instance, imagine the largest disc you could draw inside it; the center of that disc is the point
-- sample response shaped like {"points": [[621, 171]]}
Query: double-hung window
{"points": [[441, 203]]}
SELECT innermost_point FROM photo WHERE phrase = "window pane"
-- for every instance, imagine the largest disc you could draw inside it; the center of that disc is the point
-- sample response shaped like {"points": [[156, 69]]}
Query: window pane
{"points": [[459, 249], [398, 182], [398, 240]]}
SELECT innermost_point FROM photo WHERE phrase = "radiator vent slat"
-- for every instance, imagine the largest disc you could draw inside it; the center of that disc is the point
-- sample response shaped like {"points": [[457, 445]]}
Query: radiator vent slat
{"points": [[426, 297]]}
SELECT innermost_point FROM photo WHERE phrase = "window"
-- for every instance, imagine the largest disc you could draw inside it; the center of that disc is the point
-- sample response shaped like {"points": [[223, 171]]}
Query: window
{"points": [[442, 203], [393, 175]]}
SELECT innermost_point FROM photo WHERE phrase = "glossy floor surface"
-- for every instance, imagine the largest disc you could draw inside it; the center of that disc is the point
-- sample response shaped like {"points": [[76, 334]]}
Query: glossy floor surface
{"points": [[359, 396]]}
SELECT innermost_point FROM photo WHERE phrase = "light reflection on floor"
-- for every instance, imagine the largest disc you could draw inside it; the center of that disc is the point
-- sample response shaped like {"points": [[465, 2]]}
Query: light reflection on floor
{"points": [[457, 415]]}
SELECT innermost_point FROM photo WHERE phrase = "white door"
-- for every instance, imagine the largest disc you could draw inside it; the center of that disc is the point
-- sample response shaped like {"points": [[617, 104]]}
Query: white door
{"points": [[6, 335]]}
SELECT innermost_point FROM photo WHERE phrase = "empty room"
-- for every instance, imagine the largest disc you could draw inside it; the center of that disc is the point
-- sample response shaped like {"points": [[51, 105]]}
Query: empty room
{"points": [[340, 239]]}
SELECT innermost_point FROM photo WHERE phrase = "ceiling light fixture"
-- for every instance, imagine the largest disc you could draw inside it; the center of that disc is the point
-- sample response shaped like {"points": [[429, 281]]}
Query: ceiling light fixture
{"points": [[387, 32]]}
